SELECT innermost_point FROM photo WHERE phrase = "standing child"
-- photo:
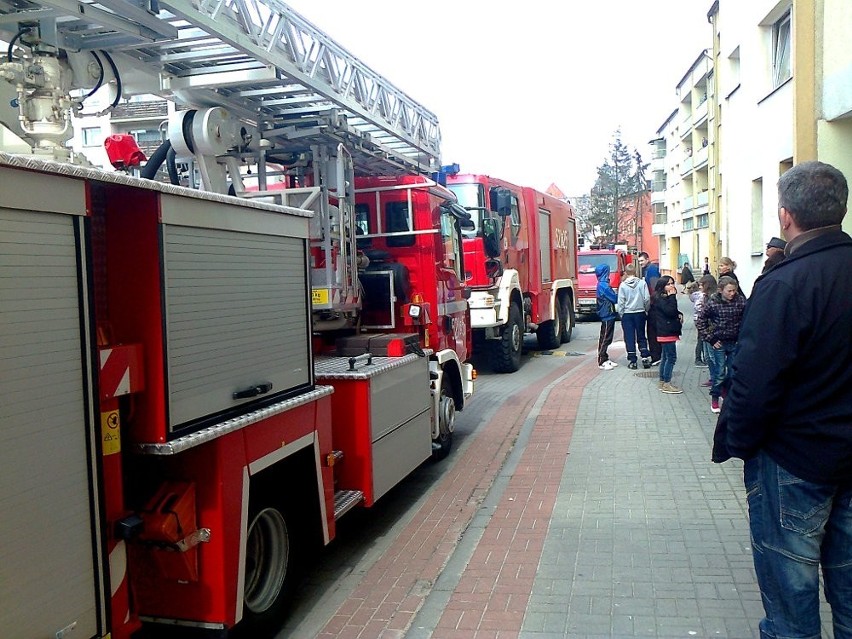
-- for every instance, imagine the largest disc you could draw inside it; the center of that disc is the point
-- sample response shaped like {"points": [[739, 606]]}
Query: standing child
{"points": [[606, 312], [707, 287], [668, 321], [633, 303], [696, 296]]}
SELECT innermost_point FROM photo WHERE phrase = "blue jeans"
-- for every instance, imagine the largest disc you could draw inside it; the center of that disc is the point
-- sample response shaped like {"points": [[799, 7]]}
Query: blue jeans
{"points": [[633, 325], [667, 360], [720, 367], [796, 526]]}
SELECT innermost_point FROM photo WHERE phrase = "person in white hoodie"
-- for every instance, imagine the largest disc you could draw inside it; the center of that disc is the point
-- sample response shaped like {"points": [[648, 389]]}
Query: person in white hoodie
{"points": [[633, 303]]}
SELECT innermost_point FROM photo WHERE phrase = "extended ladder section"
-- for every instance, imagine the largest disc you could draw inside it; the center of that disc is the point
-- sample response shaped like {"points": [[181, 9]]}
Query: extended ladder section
{"points": [[260, 60]]}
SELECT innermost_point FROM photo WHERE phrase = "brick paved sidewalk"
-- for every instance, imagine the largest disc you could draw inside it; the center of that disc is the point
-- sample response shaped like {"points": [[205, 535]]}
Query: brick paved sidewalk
{"points": [[587, 507]]}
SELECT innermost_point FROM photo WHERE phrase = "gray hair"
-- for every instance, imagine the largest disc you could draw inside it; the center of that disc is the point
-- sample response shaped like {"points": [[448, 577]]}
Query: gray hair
{"points": [[814, 193]]}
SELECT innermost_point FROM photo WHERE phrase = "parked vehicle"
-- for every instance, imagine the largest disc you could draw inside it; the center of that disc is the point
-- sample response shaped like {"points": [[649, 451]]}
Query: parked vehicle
{"points": [[521, 266], [615, 259]]}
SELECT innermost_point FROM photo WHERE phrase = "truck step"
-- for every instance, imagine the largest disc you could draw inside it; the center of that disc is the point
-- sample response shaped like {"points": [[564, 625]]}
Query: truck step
{"points": [[346, 500]]}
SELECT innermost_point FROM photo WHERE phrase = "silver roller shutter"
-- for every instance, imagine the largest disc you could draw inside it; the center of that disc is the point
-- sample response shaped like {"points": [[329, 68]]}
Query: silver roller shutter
{"points": [[47, 536]]}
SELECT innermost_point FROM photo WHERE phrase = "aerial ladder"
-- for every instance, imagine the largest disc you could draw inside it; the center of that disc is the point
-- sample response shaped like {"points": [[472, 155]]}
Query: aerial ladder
{"points": [[261, 90]]}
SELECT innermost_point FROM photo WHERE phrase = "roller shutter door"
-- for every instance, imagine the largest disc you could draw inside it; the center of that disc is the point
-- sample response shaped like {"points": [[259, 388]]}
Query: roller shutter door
{"points": [[47, 536]]}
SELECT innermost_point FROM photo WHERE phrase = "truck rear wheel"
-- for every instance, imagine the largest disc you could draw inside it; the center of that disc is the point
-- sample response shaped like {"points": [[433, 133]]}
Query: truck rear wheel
{"points": [[506, 352], [549, 334], [268, 572], [568, 322]]}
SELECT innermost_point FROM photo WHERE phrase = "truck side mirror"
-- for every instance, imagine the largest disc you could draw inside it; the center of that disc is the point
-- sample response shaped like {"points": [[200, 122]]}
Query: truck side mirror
{"points": [[501, 201]]}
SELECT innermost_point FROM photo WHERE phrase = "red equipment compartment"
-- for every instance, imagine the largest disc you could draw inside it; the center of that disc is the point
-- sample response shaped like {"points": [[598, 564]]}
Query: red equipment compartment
{"points": [[381, 420]]}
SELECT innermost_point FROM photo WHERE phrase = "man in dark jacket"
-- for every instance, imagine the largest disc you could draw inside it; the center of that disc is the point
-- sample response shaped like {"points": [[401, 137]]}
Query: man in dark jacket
{"points": [[650, 272], [789, 410], [607, 299]]}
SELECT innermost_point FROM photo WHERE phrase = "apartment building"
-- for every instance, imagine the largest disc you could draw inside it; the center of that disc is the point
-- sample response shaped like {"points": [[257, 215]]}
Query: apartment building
{"points": [[680, 173], [774, 88]]}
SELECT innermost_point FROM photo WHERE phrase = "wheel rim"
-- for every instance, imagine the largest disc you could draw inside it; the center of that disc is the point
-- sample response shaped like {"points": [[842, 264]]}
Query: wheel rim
{"points": [[516, 337], [557, 323], [447, 415], [267, 556]]}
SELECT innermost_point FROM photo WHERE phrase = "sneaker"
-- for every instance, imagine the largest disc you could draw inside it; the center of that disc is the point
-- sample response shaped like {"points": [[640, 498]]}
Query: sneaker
{"points": [[646, 362], [707, 384], [614, 364], [632, 366], [606, 366], [714, 405], [655, 363], [660, 385], [671, 389]]}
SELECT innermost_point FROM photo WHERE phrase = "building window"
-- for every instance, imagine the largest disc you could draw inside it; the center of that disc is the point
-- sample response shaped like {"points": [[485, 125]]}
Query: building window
{"points": [[92, 136], [688, 224], [702, 221], [757, 239], [781, 44], [146, 136]]}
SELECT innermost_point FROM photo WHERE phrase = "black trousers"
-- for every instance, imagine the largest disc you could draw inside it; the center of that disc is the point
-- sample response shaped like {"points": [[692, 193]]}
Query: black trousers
{"points": [[607, 330]]}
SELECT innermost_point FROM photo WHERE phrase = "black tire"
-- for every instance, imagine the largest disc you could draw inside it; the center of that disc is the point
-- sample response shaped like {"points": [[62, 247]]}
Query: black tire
{"points": [[569, 321], [446, 421], [271, 569], [549, 332], [506, 352]]}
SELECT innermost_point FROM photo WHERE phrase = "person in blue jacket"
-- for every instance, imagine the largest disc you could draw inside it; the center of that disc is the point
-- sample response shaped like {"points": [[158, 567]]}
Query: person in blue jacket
{"points": [[607, 299]]}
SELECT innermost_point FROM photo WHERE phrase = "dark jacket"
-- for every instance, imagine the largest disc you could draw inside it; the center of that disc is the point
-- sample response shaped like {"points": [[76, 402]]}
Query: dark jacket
{"points": [[651, 273], [719, 320], [791, 390], [686, 275], [606, 297], [666, 317]]}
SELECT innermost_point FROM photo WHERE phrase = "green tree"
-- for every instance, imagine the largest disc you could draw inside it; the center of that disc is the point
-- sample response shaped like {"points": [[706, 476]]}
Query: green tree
{"points": [[622, 174]]}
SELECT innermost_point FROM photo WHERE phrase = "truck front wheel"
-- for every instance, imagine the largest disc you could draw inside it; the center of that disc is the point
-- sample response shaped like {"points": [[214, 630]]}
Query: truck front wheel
{"points": [[506, 352], [446, 421]]}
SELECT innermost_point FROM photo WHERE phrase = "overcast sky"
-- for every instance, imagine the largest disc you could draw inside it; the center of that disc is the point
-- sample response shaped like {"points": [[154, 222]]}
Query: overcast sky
{"points": [[532, 90]]}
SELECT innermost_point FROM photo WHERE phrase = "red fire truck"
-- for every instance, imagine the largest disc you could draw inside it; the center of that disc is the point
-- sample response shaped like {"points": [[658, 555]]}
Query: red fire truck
{"points": [[199, 382], [521, 264], [615, 258]]}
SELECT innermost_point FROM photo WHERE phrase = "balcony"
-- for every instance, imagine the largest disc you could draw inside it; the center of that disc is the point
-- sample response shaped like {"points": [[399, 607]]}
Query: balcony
{"points": [[134, 111], [699, 158], [687, 204], [658, 164], [658, 229], [658, 197], [699, 115], [702, 200], [686, 166]]}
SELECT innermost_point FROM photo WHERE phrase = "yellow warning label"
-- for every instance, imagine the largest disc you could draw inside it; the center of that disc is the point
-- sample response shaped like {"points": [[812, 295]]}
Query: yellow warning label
{"points": [[319, 296], [110, 433]]}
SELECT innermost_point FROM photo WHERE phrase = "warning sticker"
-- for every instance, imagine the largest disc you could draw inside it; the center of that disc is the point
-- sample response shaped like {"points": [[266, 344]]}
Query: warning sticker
{"points": [[319, 296], [110, 434]]}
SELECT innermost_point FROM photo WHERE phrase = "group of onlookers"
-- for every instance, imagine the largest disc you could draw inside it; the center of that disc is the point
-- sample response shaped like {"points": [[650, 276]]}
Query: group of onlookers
{"points": [[782, 361], [651, 322]]}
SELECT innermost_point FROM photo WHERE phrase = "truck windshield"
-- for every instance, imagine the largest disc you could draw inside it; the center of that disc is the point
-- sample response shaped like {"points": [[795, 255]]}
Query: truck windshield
{"points": [[471, 197], [589, 262]]}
